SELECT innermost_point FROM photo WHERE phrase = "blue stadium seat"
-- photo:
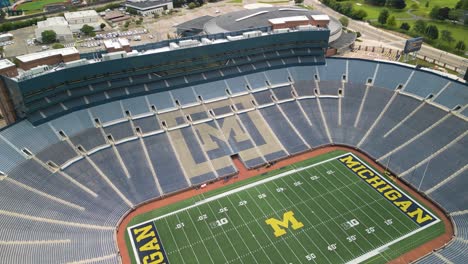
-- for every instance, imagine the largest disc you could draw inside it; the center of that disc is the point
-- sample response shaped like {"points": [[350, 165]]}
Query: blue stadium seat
{"points": [[167, 167]]}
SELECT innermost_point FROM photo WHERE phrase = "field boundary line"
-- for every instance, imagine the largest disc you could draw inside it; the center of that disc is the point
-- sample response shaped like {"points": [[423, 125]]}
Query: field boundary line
{"points": [[383, 247], [241, 188], [396, 187]]}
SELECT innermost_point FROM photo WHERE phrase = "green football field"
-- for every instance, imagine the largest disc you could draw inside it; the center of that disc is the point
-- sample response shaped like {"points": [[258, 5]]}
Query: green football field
{"points": [[333, 209]]}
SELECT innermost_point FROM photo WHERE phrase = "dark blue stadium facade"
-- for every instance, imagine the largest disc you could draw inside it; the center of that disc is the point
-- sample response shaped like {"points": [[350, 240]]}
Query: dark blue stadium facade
{"points": [[99, 140]]}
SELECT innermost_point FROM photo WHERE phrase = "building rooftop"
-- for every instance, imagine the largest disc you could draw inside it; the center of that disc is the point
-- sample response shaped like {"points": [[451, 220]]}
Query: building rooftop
{"points": [[6, 64], [116, 44], [113, 14], [52, 21], [282, 20], [257, 18], [146, 4], [80, 14], [320, 17], [47, 53]]}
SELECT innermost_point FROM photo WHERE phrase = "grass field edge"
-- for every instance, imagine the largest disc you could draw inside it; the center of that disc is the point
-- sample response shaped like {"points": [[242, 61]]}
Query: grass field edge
{"points": [[241, 188], [365, 257]]}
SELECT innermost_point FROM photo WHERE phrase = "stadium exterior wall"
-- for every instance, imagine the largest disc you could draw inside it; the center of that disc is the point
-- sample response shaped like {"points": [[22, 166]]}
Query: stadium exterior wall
{"points": [[173, 63]]}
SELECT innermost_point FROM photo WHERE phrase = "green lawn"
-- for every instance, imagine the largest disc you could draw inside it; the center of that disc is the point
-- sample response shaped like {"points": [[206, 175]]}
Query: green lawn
{"points": [[37, 5], [424, 11], [421, 10], [459, 32], [336, 217], [373, 11]]}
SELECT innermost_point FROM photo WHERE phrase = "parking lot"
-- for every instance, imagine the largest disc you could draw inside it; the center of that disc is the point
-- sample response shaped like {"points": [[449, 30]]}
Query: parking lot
{"points": [[98, 40], [152, 30]]}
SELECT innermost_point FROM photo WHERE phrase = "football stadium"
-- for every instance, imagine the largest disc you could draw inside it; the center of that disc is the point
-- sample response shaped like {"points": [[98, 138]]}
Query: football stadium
{"points": [[246, 147]]}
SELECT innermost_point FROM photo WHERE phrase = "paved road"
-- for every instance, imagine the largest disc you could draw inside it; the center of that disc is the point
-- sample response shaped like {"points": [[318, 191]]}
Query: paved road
{"points": [[392, 40]]}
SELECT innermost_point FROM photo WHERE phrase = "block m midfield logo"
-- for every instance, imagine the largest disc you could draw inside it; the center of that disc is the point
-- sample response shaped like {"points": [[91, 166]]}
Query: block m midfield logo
{"points": [[280, 226]]}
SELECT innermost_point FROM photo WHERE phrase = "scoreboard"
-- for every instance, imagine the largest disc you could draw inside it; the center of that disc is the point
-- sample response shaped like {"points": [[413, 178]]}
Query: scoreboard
{"points": [[413, 45]]}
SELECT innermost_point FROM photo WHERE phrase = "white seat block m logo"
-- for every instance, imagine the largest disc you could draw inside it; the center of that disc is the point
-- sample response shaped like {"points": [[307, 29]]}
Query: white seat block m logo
{"points": [[280, 226]]}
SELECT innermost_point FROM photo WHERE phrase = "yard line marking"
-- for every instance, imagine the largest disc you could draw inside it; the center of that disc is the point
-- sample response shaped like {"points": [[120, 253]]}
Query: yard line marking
{"points": [[365, 225], [316, 226], [225, 234], [237, 231], [212, 234], [183, 231], [378, 250], [263, 230], [339, 241], [358, 185], [198, 233], [300, 212], [275, 212], [173, 238], [245, 187], [242, 218], [394, 186], [361, 188], [287, 244]]}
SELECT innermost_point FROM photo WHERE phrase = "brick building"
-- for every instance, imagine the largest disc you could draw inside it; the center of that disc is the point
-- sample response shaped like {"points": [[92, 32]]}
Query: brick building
{"points": [[48, 57]]}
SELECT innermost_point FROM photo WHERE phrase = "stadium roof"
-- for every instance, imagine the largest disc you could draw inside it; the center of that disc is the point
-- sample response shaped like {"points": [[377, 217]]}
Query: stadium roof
{"points": [[254, 18], [196, 23], [147, 4]]}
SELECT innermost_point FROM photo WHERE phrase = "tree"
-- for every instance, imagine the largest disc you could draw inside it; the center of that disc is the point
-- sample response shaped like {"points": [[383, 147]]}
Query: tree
{"points": [[102, 26], [132, 11], [359, 14], [427, 4], [462, 4], [346, 8], [139, 21], [447, 36], [398, 4], [376, 2], [87, 30], [420, 26], [48, 36], [435, 12], [192, 5], [405, 26], [344, 21], [179, 3], [432, 32], [460, 46], [391, 21], [58, 46], [383, 16], [456, 14], [444, 13]]}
